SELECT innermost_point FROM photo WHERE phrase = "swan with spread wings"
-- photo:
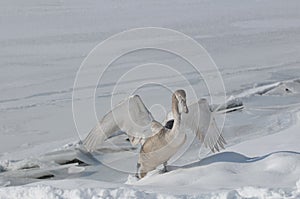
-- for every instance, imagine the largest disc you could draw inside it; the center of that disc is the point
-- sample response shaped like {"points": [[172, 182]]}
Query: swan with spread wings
{"points": [[158, 142]]}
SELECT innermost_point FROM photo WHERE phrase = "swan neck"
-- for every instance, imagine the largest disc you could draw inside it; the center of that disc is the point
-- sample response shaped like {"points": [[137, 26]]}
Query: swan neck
{"points": [[175, 111]]}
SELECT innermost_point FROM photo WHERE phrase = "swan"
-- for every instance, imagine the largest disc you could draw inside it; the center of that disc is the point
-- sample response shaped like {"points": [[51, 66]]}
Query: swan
{"points": [[159, 142], [160, 147]]}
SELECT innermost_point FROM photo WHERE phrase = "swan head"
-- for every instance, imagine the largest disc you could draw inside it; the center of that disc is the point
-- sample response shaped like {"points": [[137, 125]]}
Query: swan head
{"points": [[181, 97]]}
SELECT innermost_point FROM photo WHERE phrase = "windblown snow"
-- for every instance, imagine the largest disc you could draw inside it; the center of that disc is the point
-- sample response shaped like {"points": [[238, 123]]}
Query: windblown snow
{"points": [[255, 44]]}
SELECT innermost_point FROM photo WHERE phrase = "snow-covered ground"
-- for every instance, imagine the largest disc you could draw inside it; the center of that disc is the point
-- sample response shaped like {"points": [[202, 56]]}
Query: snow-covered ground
{"points": [[255, 44]]}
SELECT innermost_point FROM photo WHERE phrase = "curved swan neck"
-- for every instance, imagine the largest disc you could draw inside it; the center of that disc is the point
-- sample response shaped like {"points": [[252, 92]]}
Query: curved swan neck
{"points": [[175, 111]]}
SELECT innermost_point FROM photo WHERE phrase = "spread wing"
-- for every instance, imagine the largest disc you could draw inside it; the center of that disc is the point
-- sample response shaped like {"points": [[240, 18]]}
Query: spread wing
{"points": [[130, 116], [201, 121]]}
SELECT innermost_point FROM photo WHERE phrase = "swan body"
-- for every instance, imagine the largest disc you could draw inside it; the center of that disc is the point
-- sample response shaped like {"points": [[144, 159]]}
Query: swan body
{"points": [[160, 147]]}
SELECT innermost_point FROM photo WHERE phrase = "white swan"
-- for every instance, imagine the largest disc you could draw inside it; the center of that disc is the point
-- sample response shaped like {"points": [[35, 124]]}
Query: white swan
{"points": [[160, 147], [158, 142]]}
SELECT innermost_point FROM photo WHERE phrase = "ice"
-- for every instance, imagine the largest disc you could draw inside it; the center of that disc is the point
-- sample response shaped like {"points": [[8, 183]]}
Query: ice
{"points": [[255, 44]]}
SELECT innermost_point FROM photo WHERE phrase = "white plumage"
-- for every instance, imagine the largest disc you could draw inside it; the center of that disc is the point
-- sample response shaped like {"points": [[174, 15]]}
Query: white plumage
{"points": [[159, 143], [130, 116], [201, 121], [135, 120]]}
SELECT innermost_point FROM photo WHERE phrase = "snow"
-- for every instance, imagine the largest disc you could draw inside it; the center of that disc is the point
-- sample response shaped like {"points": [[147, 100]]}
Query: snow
{"points": [[255, 44], [255, 166], [59, 190]]}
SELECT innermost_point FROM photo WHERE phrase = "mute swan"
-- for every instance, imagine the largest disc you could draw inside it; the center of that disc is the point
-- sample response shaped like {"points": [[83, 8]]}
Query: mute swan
{"points": [[160, 147], [132, 117]]}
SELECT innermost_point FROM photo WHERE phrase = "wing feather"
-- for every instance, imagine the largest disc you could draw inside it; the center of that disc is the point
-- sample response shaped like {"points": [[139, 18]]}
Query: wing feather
{"points": [[201, 121], [130, 116]]}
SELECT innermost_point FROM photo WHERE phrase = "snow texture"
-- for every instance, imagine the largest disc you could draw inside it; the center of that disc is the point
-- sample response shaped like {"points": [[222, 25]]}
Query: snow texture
{"points": [[256, 45]]}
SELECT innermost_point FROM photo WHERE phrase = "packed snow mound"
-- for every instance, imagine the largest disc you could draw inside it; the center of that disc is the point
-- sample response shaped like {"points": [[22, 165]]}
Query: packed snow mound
{"points": [[49, 191], [225, 170]]}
